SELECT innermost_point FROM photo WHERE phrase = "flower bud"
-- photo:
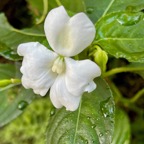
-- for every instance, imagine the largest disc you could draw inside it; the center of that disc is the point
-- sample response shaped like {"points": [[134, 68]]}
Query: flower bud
{"points": [[100, 57], [6, 82]]}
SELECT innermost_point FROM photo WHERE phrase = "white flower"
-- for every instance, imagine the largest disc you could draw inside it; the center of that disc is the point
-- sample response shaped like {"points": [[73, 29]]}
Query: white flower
{"points": [[66, 78]]}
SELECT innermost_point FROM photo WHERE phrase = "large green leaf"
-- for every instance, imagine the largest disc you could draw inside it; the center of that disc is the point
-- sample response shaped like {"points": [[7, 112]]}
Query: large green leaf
{"points": [[98, 8], [13, 99], [10, 38], [93, 122], [122, 128], [121, 5], [121, 34]]}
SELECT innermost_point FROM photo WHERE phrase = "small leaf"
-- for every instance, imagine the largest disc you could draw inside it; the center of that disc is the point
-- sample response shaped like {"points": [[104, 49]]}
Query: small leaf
{"points": [[93, 122], [121, 34], [122, 128]]}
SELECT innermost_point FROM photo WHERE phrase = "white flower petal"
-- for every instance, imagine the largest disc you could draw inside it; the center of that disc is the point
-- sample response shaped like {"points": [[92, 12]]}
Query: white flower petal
{"points": [[68, 36], [54, 25], [80, 75], [90, 87], [60, 96], [36, 67]]}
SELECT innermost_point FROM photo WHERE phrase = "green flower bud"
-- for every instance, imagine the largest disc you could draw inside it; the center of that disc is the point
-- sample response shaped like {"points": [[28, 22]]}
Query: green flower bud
{"points": [[100, 57]]}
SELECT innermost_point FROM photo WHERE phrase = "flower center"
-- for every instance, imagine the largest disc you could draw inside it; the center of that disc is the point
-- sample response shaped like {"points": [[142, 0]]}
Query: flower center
{"points": [[59, 65]]}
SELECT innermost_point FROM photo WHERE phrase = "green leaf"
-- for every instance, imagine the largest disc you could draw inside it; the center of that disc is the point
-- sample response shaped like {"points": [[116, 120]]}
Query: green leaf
{"points": [[10, 38], [121, 5], [95, 8], [7, 71], [98, 8], [122, 128], [121, 34], [13, 99], [93, 122]]}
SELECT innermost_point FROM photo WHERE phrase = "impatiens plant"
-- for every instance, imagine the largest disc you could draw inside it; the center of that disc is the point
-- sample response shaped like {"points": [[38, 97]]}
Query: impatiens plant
{"points": [[87, 59]]}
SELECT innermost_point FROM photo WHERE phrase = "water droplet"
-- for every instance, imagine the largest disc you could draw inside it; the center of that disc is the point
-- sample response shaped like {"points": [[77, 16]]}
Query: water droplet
{"points": [[100, 135], [130, 8], [128, 19], [52, 112], [89, 10], [86, 142], [107, 132], [93, 126], [88, 117], [22, 105], [107, 108]]}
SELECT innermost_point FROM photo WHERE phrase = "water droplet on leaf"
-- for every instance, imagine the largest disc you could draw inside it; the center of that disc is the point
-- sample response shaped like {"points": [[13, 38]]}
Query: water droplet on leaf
{"points": [[100, 135], [128, 19], [107, 108], [22, 105], [93, 126], [86, 142], [89, 10], [88, 117], [52, 112]]}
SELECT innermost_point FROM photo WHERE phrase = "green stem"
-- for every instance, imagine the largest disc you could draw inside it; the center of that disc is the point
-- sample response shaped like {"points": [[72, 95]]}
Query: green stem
{"points": [[119, 98], [137, 96], [58, 2], [122, 69], [117, 94], [45, 11], [27, 33]]}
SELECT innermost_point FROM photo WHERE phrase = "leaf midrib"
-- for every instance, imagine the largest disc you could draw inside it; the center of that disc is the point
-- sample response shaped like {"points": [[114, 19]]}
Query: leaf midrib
{"points": [[108, 7], [77, 123]]}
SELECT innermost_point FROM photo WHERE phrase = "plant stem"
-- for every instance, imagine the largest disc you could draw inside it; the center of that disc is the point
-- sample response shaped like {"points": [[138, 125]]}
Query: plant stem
{"points": [[122, 69], [45, 11], [137, 96], [58, 2]]}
